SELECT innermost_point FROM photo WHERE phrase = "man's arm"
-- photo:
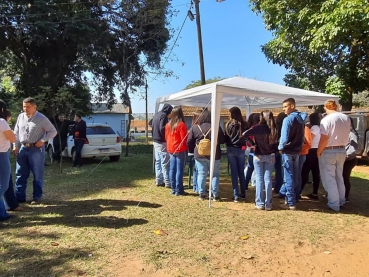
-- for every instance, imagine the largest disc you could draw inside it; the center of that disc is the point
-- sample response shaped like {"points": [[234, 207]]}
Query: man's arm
{"points": [[322, 144], [50, 131], [285, 133]]}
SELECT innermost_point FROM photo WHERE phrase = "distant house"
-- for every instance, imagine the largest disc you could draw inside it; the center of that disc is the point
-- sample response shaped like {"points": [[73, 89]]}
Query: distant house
{"points": [[117, 117], [139, 126], [189, 111]]}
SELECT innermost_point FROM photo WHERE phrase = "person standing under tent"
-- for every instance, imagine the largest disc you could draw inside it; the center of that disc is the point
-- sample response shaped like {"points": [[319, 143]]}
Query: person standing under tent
{"points": [[176, 137], [266, 139], [334, 136], [32, 131], [197, 133], [351, 159], [236, 145], [158, 123], [290, 145], [312, 162], [253, 120], [278, 156], [6, 137]]}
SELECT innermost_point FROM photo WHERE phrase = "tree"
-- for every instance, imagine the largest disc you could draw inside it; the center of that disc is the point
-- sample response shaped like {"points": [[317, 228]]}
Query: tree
{"points": [[208, 81], [361, 100], [51, 46], [324, 44]]}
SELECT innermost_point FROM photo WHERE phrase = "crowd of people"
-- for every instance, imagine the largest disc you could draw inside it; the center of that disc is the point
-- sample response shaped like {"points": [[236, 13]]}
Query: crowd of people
{"points": [[31, 133], [285, 149]]}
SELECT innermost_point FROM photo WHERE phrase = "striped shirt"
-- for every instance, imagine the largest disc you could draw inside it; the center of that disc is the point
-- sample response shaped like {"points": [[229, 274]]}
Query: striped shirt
{"points": [[33, 129]]}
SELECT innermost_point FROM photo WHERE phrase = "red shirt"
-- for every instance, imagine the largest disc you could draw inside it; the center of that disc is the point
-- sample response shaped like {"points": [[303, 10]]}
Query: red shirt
{"points": [[176, 141]]}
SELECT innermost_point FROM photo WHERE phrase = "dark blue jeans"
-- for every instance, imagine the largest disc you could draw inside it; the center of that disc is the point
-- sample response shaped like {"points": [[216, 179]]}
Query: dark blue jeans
{"points": [[78, 145], [176, 168], [4, 182], [236, 159], [9, 195], [291, 176], [278, 172], [31, 159], [250, 169]]}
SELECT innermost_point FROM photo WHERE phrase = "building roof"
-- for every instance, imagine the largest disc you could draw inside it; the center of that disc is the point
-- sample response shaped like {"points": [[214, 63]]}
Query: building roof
{"points": [[189, 110], [139, 124], [118, 108]]}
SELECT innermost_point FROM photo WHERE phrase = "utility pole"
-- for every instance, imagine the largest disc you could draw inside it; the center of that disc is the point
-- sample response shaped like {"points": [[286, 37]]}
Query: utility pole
{"points": [[199, 38], [147, 116]]}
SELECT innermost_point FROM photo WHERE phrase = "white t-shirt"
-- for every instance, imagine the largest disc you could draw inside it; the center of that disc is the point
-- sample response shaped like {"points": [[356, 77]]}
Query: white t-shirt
{"points": [[4, 142], [315, 130], [337, 127]]}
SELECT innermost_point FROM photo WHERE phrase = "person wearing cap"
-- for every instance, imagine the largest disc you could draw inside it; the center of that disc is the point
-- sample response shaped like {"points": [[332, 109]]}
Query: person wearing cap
{"points": [[334, 135]]}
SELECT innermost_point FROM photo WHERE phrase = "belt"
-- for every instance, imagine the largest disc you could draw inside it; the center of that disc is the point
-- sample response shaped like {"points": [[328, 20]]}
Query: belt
{"points": [[28, 145], [335, 147]]}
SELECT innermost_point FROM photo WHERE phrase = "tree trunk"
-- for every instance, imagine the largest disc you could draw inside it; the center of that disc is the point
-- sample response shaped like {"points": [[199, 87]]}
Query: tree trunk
{"points": [[128, 128]]}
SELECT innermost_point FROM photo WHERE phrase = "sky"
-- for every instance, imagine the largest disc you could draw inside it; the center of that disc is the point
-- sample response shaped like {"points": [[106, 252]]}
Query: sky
{"points": [[232, 36]]}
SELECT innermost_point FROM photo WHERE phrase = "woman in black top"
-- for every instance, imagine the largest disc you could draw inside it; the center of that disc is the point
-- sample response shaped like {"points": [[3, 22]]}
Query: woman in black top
{"points": [[236, 146], [266, 139]]}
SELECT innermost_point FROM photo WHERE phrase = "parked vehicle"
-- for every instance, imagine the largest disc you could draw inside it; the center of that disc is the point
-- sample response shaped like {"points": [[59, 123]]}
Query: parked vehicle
{"points": [[361, 121], [102, 141]]}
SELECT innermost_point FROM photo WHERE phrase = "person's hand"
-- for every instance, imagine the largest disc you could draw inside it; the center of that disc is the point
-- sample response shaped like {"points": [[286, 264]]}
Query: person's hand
{"points": [[39, 144], [318, 154], [15, 151]]}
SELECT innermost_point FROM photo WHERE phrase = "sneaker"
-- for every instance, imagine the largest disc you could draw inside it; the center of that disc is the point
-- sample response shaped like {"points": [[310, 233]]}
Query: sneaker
{"points": [[36, 202], [236, 199], [173, 192], [160, 185], [313, 197], [268, 209], [286, 207], [325, 195], [168, 186], [347, 200], [215, 198], [259, 208], [202, 197]]}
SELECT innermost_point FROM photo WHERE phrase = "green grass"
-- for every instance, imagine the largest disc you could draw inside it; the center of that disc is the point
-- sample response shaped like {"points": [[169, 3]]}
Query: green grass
{"points": [[96, 220]]}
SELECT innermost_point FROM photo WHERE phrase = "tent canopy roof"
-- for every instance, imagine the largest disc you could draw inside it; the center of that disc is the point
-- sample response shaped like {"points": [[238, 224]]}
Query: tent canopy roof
{"points": [[246, 94]]}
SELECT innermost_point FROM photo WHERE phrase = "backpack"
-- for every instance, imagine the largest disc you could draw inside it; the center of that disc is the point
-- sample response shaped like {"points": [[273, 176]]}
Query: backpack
{"points": [[204, 145]]}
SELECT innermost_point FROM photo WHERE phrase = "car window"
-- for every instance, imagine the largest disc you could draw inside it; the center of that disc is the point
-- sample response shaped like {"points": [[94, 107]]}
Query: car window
{"points": [[99, 130]]}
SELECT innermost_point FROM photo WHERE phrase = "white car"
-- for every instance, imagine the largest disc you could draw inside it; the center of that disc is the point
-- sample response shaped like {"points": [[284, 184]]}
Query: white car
{"points": [[102, 141]]}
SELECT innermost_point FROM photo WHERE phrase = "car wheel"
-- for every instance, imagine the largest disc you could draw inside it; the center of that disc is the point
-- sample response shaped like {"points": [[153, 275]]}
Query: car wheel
{"points": [[114, 158], [50, 153]]}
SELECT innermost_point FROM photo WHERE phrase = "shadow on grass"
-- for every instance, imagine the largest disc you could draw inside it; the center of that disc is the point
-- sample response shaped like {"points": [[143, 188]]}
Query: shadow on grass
{"points": [[18, 260], [82, 213]]}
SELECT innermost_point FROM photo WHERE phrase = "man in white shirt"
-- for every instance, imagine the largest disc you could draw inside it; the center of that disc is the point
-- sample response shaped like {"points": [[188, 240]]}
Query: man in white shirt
{"points": [[334, 135]]}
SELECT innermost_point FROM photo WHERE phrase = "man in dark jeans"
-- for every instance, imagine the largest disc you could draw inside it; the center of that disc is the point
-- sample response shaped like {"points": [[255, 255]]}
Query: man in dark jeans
{"points": [[79, 136]]}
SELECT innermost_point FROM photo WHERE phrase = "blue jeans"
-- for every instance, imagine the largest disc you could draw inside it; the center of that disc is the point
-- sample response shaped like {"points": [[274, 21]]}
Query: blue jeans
{"points": [[290, 164], [29, 160], [278, 172], [4, 182], [331, 167], [264, 165], [250, 169], [9, 195], [203, 167], [236, 159], [195, 177], [78, 145], [177, 162], [302, 160], [161, 164]]}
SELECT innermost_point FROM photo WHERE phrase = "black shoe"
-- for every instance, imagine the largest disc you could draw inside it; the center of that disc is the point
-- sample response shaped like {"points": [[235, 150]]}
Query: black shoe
{"points": [[202, 197], [160, 185], [216, 198], [347, 200], [36, 202], [313, 197], [243, 196]]}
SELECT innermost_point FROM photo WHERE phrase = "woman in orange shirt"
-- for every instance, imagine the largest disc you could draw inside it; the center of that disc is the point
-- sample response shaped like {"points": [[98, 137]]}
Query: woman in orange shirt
{"points": [[176, 137]]}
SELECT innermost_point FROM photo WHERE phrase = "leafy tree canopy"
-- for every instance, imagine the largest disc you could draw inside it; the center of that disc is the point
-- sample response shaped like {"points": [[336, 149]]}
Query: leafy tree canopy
{"points": [[208, 81], [324, 44], [48, 46]]}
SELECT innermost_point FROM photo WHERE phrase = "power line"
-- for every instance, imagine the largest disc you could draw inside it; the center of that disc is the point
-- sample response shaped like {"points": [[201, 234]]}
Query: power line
{"points": [[174, 44]]}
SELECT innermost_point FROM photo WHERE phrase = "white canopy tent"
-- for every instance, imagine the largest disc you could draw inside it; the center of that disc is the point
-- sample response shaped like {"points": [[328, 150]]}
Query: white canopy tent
{"points": [[243, 93]]}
